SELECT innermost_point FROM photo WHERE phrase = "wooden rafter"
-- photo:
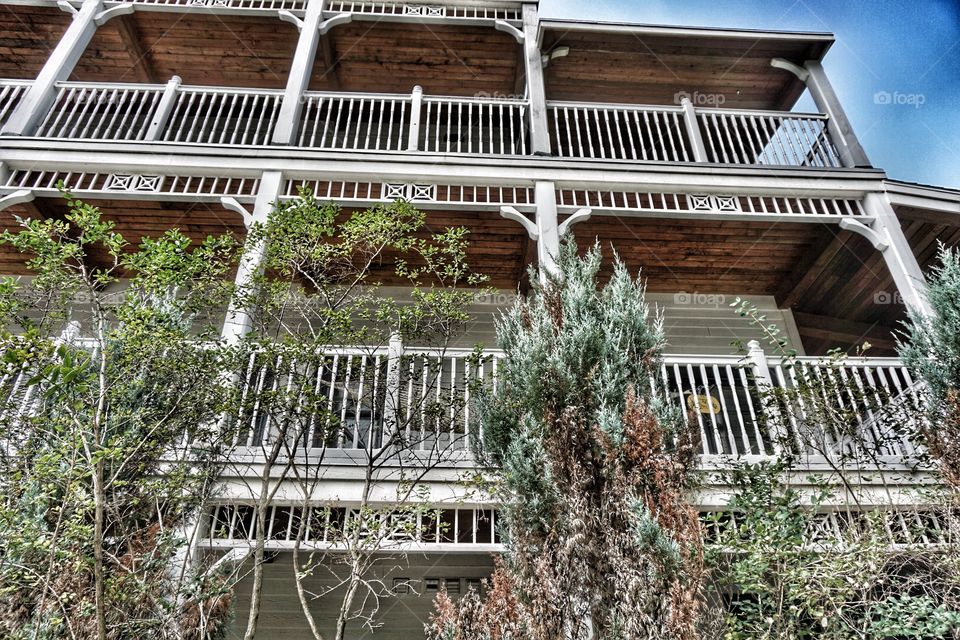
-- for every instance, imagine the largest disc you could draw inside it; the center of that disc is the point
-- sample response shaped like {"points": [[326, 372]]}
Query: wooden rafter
{"points": [[141, 63], [806, 273], [926, 215], [842, 332], [528, 256], [330, 62]]}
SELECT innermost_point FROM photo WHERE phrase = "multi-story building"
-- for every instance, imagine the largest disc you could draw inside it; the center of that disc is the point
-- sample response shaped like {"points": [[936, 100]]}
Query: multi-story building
{"points": [[676, 146]]}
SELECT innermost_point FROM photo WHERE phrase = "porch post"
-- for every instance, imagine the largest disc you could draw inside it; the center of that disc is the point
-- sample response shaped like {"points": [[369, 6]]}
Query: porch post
{"points": [[40, 96], [391, 406], [288, 120], [164, 109], [841, 131], [761, 374], [548, 229], [536, 89], [238, 321], [897, 254], [693, 131], [416, 107], [851, 153]]}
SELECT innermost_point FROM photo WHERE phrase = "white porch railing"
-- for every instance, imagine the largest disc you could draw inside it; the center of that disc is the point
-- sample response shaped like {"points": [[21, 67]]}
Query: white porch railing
{"points": [[361, 399], [740, 406], [242, 5], [324, 526], [92, 111], [745, 137], [11, 91], [354, 122], [474, 126], [419, 400], [222, 116], [661, 134], [618, 132], [431, 124]]}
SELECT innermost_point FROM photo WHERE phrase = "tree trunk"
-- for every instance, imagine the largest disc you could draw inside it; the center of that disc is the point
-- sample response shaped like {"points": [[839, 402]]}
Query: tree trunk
{"points": [[98, 518]]}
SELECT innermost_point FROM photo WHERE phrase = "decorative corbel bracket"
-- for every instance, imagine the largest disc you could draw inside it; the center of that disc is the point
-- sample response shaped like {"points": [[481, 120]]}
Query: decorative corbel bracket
{"points": [[66, 7], [231, 204], [786, 65], [286, 16], [581, 215], [17, 197], [529, 225], [506, 27], [877, 240], [330, 23], [119, 10]]}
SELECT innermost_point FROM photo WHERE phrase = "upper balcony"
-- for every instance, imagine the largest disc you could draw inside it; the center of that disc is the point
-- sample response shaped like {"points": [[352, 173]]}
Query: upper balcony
{"points": [[369, 122], [452, 79]]}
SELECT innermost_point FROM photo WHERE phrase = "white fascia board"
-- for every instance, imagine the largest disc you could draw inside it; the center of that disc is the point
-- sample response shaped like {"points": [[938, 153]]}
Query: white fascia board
{"points": [[418, 167], [923, 197], [639, 29]]}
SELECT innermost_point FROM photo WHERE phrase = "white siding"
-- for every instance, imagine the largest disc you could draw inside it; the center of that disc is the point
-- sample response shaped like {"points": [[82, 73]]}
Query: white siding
{"points": [[401, 617]]}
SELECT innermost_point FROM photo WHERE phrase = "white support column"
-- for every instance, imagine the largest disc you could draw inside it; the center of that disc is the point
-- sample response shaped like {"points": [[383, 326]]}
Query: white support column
{"points": [[897, 254], [416, 107], [536, 88], [545, 230], [391, 407], [841, 131], [761, 374], [58, 67], [548, 229], [848, 146], [693, 130], [238, 321], [298, 79], [164, 109]]}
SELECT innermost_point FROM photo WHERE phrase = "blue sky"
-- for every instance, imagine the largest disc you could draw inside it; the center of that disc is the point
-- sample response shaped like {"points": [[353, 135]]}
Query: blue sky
{"points": [[909, 49]]}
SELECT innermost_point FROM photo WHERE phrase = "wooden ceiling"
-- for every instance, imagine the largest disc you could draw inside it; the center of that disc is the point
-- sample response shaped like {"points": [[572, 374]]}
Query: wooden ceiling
{"points": [[393, 57], [842, 293], [203, 49], [836, 284], [255, 51], [726, 257], [605, 63], [651, 66], [27, 36], [498, 247]]}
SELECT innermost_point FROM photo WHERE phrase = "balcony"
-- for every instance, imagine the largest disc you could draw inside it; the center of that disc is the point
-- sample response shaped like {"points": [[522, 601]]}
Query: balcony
{"points": [[736, 404], [417, 123], [743, 407]]}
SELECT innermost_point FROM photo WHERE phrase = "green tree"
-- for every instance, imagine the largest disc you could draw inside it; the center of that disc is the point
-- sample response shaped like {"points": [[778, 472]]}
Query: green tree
{"points": [[109, 441], [932, 349], [321, 288], [818, 542], [591, 469]]}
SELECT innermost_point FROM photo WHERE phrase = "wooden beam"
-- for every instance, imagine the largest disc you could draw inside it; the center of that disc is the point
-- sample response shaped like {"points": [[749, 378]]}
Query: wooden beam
{"points": [[141, 63], [926, 215], [806, 273], [331, 63], [844, 332], [528, 257]]}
